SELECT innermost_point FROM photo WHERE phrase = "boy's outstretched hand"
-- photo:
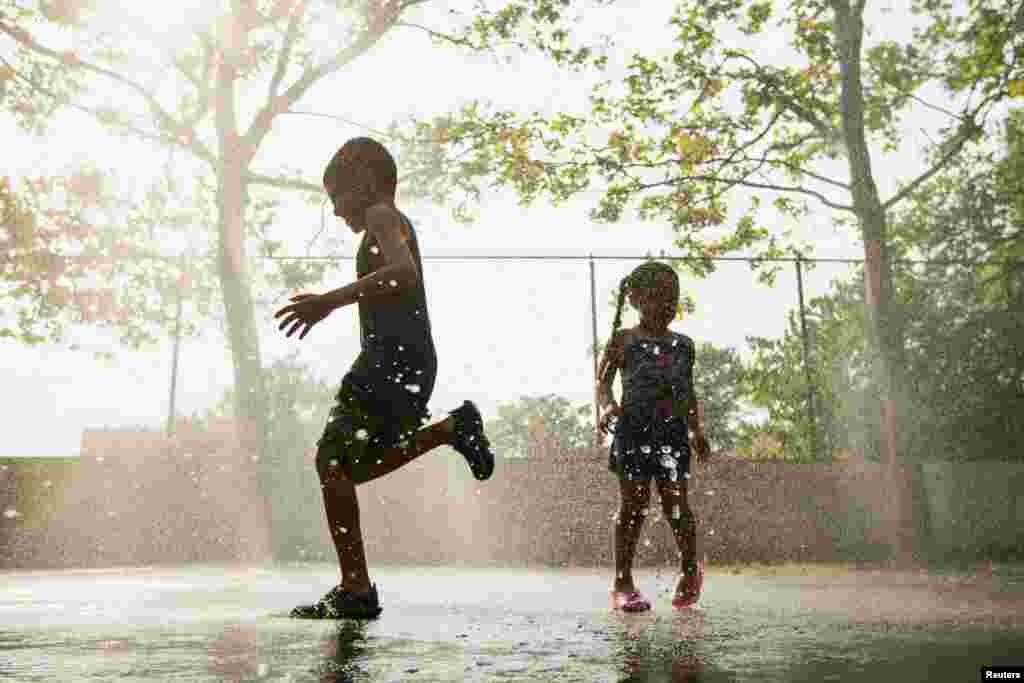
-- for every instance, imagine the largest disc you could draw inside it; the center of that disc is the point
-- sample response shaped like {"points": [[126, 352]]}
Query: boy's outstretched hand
{"points": [[305, 311]]}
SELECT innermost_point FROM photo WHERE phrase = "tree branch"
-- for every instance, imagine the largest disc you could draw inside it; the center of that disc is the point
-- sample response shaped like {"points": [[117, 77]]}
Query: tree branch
{"points": [[264, 118], [99, 114], [762, 75], [285, 54], [803, 171], [968, 128], [167, 121], [437, 35], [282, 183], [746, 183]]}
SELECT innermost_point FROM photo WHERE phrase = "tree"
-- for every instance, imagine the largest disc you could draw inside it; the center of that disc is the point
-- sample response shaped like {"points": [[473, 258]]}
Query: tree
{"points": [[719, 384], [677, 145], [76, 253], [187, 88], [961, 320], [963, 317], [539, 421], [840, 376]]}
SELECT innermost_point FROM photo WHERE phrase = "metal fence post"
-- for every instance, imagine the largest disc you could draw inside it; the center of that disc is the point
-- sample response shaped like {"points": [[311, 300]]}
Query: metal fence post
{"points": [[593, 337], [806, 350], [171, 408]]}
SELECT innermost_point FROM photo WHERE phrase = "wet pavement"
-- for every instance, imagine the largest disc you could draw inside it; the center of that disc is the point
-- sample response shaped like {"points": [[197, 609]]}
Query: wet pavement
{"points": [[204, 623]]}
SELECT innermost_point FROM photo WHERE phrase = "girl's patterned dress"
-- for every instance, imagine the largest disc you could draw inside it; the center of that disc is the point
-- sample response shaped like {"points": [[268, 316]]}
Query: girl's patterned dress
{"points": [[651, 438]]}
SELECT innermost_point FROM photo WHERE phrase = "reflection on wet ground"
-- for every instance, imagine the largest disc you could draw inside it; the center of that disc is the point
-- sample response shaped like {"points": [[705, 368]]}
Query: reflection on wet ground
{"points": [[447, 624]]}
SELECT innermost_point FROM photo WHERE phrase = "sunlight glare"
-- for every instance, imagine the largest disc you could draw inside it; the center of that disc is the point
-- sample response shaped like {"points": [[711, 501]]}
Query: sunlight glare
{"points": [[174, 19]]}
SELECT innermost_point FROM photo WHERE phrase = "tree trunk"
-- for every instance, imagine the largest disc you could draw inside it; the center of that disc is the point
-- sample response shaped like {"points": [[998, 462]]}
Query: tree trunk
{"points": [[250, 398], [881, 333]]}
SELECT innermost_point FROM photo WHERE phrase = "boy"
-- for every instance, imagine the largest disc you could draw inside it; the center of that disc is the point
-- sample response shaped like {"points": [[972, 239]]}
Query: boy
{"points": [[376, 425]]}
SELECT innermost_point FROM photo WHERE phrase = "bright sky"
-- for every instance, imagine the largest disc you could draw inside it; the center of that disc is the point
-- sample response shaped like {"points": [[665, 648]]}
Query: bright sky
{"points": [[502, 329]]}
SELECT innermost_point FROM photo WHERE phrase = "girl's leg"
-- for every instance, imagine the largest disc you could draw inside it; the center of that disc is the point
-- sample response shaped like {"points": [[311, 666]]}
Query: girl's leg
{"points": [[634, 497], [682, 521]]}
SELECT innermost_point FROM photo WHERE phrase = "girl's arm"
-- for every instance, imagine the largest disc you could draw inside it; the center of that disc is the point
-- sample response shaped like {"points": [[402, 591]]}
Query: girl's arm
{"points": [[611, 361], [693, 414]]}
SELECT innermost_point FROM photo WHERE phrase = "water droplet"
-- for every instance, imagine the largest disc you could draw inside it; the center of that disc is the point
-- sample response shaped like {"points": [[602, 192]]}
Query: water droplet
{"points": [[393, 283], [413, 388], [711, 532], [362, 434], [647, 543], [374, 250], [342, 529], [11, 513], [401, 348], [656, 350], [645, 449]]}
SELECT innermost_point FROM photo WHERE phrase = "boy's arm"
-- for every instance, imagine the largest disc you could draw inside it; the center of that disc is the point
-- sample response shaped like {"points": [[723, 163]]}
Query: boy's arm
{"points": [[384, 223]]}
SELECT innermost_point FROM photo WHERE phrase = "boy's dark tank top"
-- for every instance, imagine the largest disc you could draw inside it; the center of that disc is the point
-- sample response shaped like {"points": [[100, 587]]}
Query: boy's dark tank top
{"points": [[398, 319]]}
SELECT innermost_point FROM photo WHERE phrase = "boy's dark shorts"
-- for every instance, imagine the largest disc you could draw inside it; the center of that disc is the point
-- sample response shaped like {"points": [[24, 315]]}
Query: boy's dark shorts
{"points": [[381, 402]]}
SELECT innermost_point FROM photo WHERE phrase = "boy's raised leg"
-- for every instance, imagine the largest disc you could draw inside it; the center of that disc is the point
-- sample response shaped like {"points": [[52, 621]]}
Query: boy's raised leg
{"points": [[376, 462]]}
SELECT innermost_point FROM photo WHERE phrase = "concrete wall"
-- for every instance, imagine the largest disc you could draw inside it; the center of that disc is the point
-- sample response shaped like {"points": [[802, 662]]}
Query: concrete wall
{"points": [[134, 498]]}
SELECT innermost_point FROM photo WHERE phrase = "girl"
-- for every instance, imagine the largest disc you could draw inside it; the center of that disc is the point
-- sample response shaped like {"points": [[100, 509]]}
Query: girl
{"points": [[651, 428]]}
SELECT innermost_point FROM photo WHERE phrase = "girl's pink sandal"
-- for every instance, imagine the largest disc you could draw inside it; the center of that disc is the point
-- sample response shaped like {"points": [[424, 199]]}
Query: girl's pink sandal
{"points": [[631, 601], [691, 588]]}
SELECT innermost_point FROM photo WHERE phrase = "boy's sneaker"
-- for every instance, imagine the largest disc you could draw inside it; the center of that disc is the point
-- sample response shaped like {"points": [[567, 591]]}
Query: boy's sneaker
{"points": [[469, 440], [693, 580], [342, 604]]}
